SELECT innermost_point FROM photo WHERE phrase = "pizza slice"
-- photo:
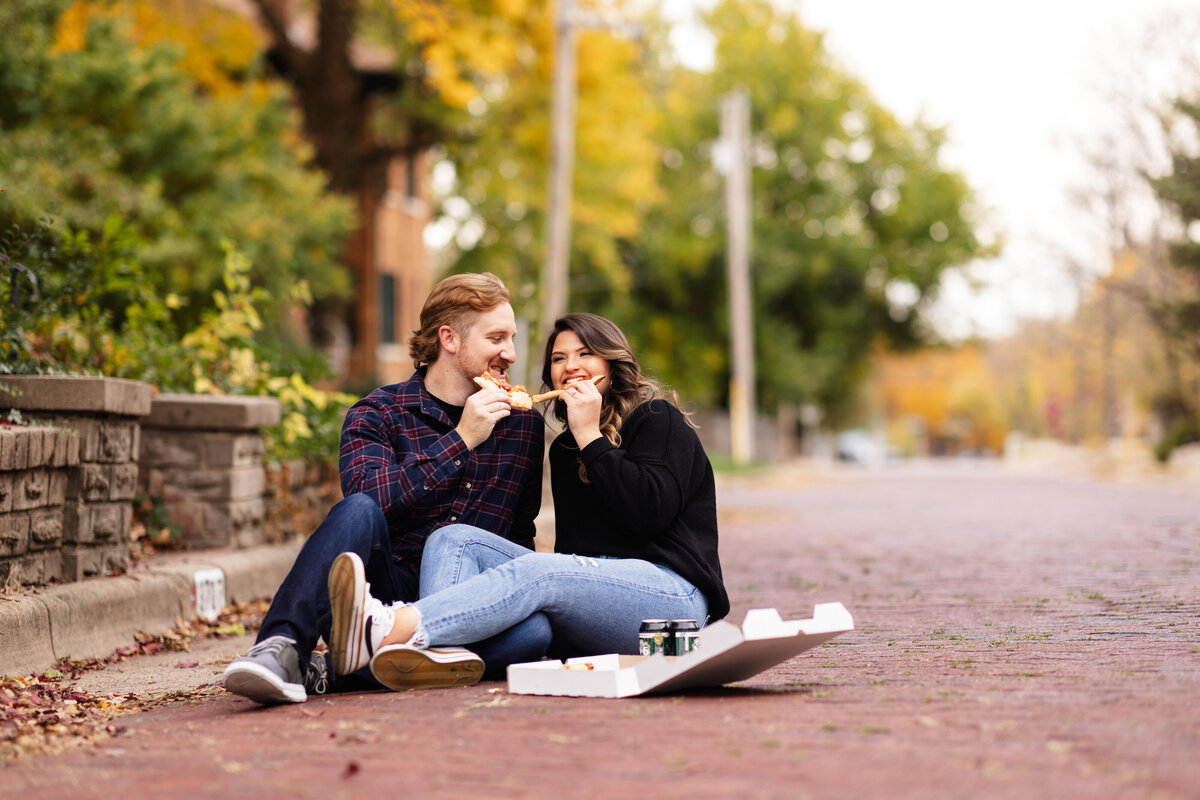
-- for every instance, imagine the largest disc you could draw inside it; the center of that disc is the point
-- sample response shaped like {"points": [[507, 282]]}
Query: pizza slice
{"points": [[554, 393], [517, 394]]}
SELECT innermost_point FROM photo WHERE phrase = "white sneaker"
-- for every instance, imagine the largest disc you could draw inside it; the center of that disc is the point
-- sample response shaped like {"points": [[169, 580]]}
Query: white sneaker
{"points": [[359, 620], [402, 666]]}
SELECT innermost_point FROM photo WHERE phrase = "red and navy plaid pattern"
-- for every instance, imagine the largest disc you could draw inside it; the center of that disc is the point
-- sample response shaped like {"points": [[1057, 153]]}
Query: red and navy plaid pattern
{"points": [[400, 448]]}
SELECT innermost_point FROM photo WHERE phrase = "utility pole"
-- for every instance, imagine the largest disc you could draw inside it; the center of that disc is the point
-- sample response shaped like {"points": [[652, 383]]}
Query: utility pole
{"points": [[562, 170], [735, 136], [562, 153]]}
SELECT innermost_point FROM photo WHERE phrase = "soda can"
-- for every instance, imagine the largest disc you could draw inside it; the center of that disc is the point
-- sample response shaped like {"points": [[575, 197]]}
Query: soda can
{"points": [[684, 633], [654, 637]]}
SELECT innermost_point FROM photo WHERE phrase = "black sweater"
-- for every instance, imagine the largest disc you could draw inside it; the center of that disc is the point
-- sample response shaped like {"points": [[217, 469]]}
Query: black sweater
{"points": [[652, 498]]}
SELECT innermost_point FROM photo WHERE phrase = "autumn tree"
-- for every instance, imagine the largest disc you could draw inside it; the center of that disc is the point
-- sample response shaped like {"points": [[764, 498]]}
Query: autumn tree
{"points": [[105, 111], [1179, 313], [854, 221]]}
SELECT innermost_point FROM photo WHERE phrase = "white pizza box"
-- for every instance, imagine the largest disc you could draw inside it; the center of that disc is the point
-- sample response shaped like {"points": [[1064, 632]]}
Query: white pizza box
{"points": [[725, 653]]}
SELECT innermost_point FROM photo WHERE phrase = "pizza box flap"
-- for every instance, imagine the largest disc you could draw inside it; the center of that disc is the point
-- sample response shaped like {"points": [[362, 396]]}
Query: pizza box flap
{"points": [[724, 653]]}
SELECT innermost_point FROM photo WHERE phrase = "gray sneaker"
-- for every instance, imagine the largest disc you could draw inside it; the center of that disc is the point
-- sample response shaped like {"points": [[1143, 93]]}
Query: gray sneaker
{"points": [[269, 674]]}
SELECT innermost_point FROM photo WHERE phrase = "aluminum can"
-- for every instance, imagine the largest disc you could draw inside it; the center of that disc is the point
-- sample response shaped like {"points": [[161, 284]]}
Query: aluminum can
{"points": [[655, 637], [684, 634]]}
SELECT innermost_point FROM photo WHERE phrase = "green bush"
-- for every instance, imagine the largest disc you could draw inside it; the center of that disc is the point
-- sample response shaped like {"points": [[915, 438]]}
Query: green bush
{"points": [[78, 306], [1183, 432]]}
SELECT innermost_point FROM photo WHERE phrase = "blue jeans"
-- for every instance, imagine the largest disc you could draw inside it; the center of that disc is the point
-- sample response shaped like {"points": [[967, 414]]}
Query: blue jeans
{"points": [[301, 610], [481, 585], [457, 553]]}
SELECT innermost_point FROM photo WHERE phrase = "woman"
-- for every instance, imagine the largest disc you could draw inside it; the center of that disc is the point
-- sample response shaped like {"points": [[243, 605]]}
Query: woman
{"points": [[636, 535]]}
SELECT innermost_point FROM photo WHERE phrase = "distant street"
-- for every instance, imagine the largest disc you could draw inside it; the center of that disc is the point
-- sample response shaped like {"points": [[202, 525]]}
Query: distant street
{"points": [[1016, 637]]}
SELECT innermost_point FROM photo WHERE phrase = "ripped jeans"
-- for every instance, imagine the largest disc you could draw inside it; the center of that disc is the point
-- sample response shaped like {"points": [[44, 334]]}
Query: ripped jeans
{"points": [[485, 585]]}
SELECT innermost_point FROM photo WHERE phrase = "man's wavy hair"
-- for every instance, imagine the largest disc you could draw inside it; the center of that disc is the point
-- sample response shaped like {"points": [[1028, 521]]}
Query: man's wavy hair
{"points": [[628, 388], [456, 301]]}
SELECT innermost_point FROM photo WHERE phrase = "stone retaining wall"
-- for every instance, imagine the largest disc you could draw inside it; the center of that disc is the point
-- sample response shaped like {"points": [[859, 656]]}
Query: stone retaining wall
{"points": [[73, 476]]}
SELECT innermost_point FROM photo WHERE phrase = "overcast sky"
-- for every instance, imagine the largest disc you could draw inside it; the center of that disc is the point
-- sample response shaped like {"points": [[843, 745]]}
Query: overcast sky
{"points": [[1016, 82]]}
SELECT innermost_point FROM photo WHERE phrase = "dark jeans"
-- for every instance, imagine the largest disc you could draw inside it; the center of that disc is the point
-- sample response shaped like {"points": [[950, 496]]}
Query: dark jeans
{"points": [[301, 608]]}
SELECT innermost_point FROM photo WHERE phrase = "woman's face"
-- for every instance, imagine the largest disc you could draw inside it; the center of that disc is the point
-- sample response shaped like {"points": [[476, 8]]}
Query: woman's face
{"points": [[571, 360]]}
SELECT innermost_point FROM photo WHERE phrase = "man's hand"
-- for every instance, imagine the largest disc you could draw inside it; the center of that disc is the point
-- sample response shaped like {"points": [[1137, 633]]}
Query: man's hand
{"points": [[481, 413]]}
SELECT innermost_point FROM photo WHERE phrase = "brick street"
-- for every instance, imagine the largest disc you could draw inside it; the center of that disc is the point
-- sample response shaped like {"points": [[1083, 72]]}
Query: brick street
{"points": [[1016, 637]]}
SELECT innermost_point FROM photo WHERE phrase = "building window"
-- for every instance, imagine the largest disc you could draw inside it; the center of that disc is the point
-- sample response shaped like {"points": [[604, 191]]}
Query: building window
{"points": [[387, 308]]}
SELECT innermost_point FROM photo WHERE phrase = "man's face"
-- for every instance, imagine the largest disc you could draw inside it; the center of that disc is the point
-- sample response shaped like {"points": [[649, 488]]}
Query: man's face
{"points": [[489, 344]]}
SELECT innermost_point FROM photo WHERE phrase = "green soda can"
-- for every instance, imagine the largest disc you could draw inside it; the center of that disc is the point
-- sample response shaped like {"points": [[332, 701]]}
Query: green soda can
{"points": [[684, 634], [655, 637]]}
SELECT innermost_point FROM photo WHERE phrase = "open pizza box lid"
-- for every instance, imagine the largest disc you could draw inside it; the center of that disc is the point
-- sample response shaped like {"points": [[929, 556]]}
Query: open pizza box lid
{"points": [[724, 653]]}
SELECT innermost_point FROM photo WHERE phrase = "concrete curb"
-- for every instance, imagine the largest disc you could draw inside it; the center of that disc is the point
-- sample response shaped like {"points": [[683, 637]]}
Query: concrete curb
{"points": [[93, 618]]}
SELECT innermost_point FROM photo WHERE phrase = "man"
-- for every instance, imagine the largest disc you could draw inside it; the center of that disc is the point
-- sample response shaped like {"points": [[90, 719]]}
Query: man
{"points": [[430, 451]]}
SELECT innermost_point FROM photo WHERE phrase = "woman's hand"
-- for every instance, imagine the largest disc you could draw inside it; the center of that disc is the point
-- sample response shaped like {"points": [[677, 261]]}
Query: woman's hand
{"points": [[583, 401]]}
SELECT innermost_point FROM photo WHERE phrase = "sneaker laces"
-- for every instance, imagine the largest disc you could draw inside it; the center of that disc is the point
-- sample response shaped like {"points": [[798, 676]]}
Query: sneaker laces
{"points": [[273, 645], [316, 675]]}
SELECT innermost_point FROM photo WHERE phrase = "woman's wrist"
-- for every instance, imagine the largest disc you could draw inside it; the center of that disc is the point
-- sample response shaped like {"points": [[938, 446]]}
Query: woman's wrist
{"points": [[586, 436]]}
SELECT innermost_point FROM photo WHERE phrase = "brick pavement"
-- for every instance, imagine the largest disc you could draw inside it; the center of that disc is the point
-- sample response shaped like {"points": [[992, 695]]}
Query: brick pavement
{"points": [[1017, 637]]}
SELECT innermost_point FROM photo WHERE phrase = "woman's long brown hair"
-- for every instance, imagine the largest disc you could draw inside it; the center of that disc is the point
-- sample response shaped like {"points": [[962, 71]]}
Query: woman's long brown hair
{"points": [[628, 388]]}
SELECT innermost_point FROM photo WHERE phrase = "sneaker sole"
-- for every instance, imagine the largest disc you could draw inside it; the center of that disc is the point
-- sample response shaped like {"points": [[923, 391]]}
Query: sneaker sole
{"points": [[347, 580], [407, 668], [261, 685]]}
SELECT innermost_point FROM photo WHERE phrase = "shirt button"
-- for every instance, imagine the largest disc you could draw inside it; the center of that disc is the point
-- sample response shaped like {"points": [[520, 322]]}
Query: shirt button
{"points": [[457, 462], [453, 518], [468, 485]]}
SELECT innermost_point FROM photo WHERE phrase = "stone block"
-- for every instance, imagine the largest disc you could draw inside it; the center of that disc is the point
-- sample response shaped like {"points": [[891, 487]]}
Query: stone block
{"points": [[82, 393], [201, 412], [88, 431], [14, 533], [66, 448], [189, 516], [33, 446], [117, 442], [37, 567], [162, 447], [45, 528], [80, 562], [14, 445], [234, 450], [7, 479], [213, 484], [77, 522], [151, 481], [89, 482], [56, 490], [31, 489], [111, 522], [235, 518], [123, 482]]}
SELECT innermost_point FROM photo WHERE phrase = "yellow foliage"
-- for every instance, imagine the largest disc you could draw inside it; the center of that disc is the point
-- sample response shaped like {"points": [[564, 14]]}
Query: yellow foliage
{"points": [[71, 32], [215, 43], [461, 38], [951, 392]]}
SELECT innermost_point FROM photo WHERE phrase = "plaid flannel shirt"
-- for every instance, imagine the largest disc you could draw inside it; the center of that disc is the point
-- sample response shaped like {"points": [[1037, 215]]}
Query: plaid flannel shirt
{"points": [[399, 447]]}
